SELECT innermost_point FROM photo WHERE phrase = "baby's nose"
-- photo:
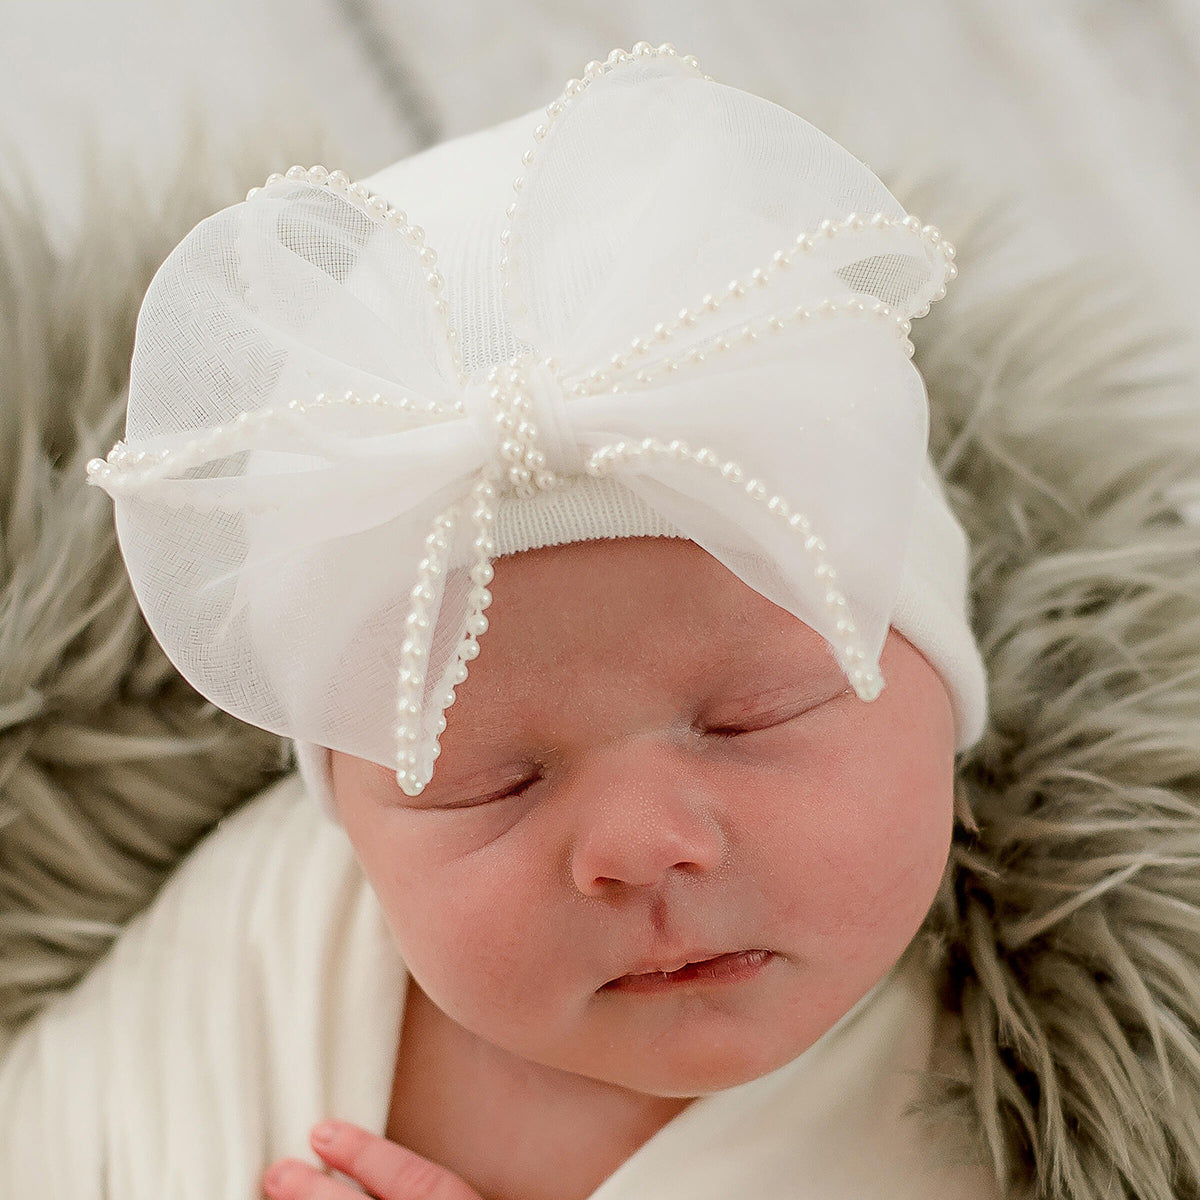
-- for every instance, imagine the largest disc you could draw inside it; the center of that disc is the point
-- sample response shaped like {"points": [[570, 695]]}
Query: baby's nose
{"points": [[640, 813]]}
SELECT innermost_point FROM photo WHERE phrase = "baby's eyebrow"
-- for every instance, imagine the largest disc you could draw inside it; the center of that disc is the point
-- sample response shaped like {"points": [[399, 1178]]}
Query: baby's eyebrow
{"points": [[755, 679], [798, 693]]}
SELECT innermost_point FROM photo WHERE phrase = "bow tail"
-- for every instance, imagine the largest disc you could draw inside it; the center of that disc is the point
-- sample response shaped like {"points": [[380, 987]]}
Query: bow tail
{"points": [[442, 630], [841, 629]]}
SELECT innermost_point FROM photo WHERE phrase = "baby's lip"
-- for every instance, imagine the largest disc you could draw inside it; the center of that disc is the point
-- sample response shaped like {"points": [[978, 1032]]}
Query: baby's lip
{"points": [[700, 970], [664, 964]]}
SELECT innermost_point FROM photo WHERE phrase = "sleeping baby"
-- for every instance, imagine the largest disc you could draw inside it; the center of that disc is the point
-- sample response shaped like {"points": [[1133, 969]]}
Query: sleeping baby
{"points": [[563, 491]]}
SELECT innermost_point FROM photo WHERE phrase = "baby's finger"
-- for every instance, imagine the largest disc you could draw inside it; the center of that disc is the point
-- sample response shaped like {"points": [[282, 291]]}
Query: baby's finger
{"points": [[386, 1170], [290, 1179]]}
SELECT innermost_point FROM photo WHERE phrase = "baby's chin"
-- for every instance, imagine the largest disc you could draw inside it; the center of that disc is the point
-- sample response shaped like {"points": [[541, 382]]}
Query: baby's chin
{"points": [[686, 1072]]}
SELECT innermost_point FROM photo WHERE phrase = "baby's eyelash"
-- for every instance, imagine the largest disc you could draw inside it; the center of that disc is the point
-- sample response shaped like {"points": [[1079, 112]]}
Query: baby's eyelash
{"points": [[768, 720], [727, 731], [509, 793]]}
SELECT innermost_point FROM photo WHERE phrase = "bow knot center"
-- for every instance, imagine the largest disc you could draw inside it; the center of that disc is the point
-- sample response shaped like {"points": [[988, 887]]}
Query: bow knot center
{"points": [[523, 413]]}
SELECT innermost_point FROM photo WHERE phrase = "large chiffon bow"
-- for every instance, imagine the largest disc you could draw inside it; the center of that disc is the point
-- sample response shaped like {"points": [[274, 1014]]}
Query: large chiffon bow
{"points": [[696, 300]]}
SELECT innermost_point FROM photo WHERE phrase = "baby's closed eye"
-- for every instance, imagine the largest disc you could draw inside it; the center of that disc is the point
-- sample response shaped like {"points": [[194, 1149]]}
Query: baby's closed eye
{"points": [[771, 712], [738, 720], [508, 792]]}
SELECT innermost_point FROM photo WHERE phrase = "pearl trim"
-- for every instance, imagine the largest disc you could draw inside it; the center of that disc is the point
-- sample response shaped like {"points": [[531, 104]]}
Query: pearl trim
{"points": [[379, 210], [664, 331], [125, 470], [599, 379], [527, 472], [412, 774], [572, 89]]}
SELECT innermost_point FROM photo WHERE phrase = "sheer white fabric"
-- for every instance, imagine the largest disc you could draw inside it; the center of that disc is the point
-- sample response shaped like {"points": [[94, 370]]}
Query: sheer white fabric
{"points": [[702, 302]]}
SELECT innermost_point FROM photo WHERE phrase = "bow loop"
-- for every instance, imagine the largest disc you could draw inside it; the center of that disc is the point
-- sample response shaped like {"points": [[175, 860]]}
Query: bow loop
{"points": [[652, 192]]}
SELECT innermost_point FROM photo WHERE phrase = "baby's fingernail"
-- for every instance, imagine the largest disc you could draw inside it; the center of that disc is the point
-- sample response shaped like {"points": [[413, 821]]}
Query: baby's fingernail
{"points": [[279, 1175], [323, 1135]]}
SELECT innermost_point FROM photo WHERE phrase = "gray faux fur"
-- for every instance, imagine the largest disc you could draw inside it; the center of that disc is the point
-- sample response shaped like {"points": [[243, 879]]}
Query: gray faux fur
{"points": [[111, 767], [1065, 414], [1067, 929]]}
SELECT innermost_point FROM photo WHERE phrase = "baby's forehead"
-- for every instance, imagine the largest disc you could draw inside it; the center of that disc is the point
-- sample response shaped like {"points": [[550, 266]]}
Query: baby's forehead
{"points": [[622, 621], [648, 582], [645, 592]]}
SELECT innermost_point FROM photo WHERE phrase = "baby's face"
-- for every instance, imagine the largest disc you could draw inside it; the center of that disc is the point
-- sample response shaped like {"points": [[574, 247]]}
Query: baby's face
{"points": [[650, 763]]}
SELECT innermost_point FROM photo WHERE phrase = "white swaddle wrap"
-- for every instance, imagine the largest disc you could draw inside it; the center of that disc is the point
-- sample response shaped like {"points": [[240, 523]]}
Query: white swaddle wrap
{"points": [[261, 992]]}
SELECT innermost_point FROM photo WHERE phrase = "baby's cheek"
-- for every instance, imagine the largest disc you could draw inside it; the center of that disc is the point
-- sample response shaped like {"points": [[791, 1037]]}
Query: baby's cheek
{"points": [[469, 932], [896, 851], [868, 848]]}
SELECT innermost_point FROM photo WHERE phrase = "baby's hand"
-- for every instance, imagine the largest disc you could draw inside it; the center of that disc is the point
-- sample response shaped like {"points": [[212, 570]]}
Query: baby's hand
{"points": [[385, 1170]]}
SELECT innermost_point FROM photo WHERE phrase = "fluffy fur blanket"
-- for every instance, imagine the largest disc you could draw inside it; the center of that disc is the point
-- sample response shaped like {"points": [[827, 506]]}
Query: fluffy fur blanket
{"points": [[1068, 924]]}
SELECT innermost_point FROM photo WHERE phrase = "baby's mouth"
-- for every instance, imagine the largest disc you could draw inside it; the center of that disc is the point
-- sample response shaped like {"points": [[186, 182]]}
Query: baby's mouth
{"points": [[719, 969]]}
